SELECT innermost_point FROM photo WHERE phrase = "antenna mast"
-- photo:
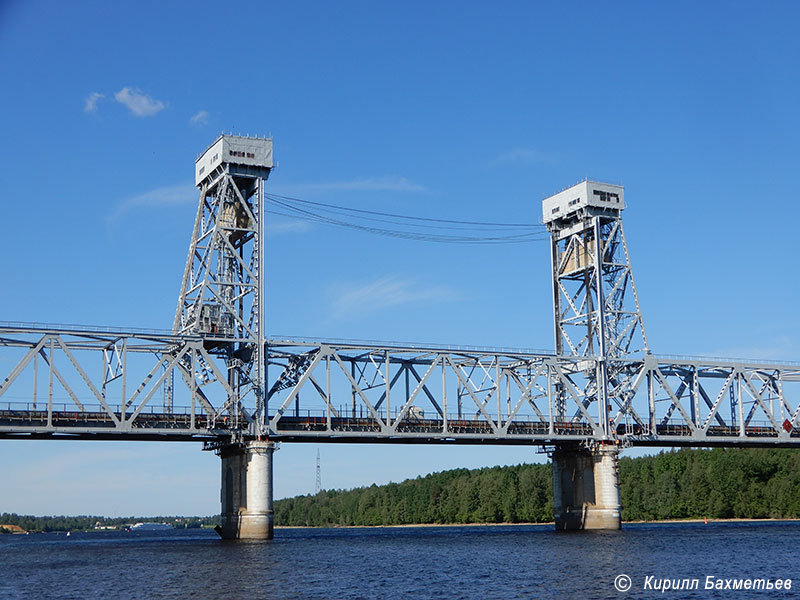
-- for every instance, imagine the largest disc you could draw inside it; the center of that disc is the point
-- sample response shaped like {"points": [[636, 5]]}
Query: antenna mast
{"points": [[319, 475]]}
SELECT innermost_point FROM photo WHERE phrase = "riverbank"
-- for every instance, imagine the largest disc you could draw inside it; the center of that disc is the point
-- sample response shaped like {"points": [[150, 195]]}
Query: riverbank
{"points": [[639, 522], [16, 530]]}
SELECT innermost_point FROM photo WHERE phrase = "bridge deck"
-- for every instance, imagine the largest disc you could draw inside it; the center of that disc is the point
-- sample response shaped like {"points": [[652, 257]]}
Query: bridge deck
{"points": [[180, 426]]}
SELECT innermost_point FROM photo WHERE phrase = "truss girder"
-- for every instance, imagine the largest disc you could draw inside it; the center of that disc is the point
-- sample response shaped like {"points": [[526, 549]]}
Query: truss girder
{"points": [[115, 400], [504, 398], [57, 382]]}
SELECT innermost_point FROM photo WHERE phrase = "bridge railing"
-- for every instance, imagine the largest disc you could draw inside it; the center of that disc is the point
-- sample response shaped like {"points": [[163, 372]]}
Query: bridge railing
{"points": [[27, 326], [69, 407], [279, 341]]}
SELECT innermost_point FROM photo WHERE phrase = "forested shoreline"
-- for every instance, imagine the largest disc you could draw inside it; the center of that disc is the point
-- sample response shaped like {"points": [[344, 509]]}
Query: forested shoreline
{"points": [[93, 522], [722, 483]]}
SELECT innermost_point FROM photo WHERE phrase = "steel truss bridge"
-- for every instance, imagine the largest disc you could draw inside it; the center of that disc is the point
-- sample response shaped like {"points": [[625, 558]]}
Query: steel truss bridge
{"points": [[217, 377], [60, 382]]}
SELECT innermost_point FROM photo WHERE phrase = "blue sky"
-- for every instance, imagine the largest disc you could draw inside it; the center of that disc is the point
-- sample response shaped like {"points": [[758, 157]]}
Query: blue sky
{"points": [[463, 110]]}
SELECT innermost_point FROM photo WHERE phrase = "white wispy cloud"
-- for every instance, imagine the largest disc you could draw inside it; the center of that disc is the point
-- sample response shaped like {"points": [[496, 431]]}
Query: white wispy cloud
{"points": [[139, 103], [385, 292], [778, 348], [170, 195], [286, 227], [200, 118], [522, 156], [91, 102], [366, 184], [186, 193]]}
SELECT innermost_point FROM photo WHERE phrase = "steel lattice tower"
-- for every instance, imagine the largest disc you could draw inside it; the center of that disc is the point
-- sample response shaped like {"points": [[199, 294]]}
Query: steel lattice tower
{"points": [[221, 297], [318, 487], [595, 305]]}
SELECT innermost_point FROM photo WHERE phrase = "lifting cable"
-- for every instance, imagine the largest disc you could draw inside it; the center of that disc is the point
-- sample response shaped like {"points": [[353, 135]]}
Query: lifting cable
{"points": [[406, 226]]}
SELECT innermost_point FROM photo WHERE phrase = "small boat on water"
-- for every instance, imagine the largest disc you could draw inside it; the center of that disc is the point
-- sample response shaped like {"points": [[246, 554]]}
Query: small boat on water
{"points": [[150, 526]]}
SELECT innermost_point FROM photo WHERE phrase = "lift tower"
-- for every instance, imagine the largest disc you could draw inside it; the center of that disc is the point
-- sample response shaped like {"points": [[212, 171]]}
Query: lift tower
{"points": [[221, 297], [222, 301], [597, 318]]}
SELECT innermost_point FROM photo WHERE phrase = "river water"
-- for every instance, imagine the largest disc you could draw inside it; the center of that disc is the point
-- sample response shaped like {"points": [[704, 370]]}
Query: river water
{"points": [[525, 561]]}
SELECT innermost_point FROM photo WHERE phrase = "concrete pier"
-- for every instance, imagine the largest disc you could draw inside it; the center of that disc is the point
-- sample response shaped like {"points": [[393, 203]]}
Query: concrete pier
{"points": [[246, 491], [586, 488]]}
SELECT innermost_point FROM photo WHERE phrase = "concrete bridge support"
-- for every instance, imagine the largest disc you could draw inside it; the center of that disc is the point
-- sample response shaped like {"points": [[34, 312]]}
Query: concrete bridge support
{"points": [[586, 488], [246, 491]]}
